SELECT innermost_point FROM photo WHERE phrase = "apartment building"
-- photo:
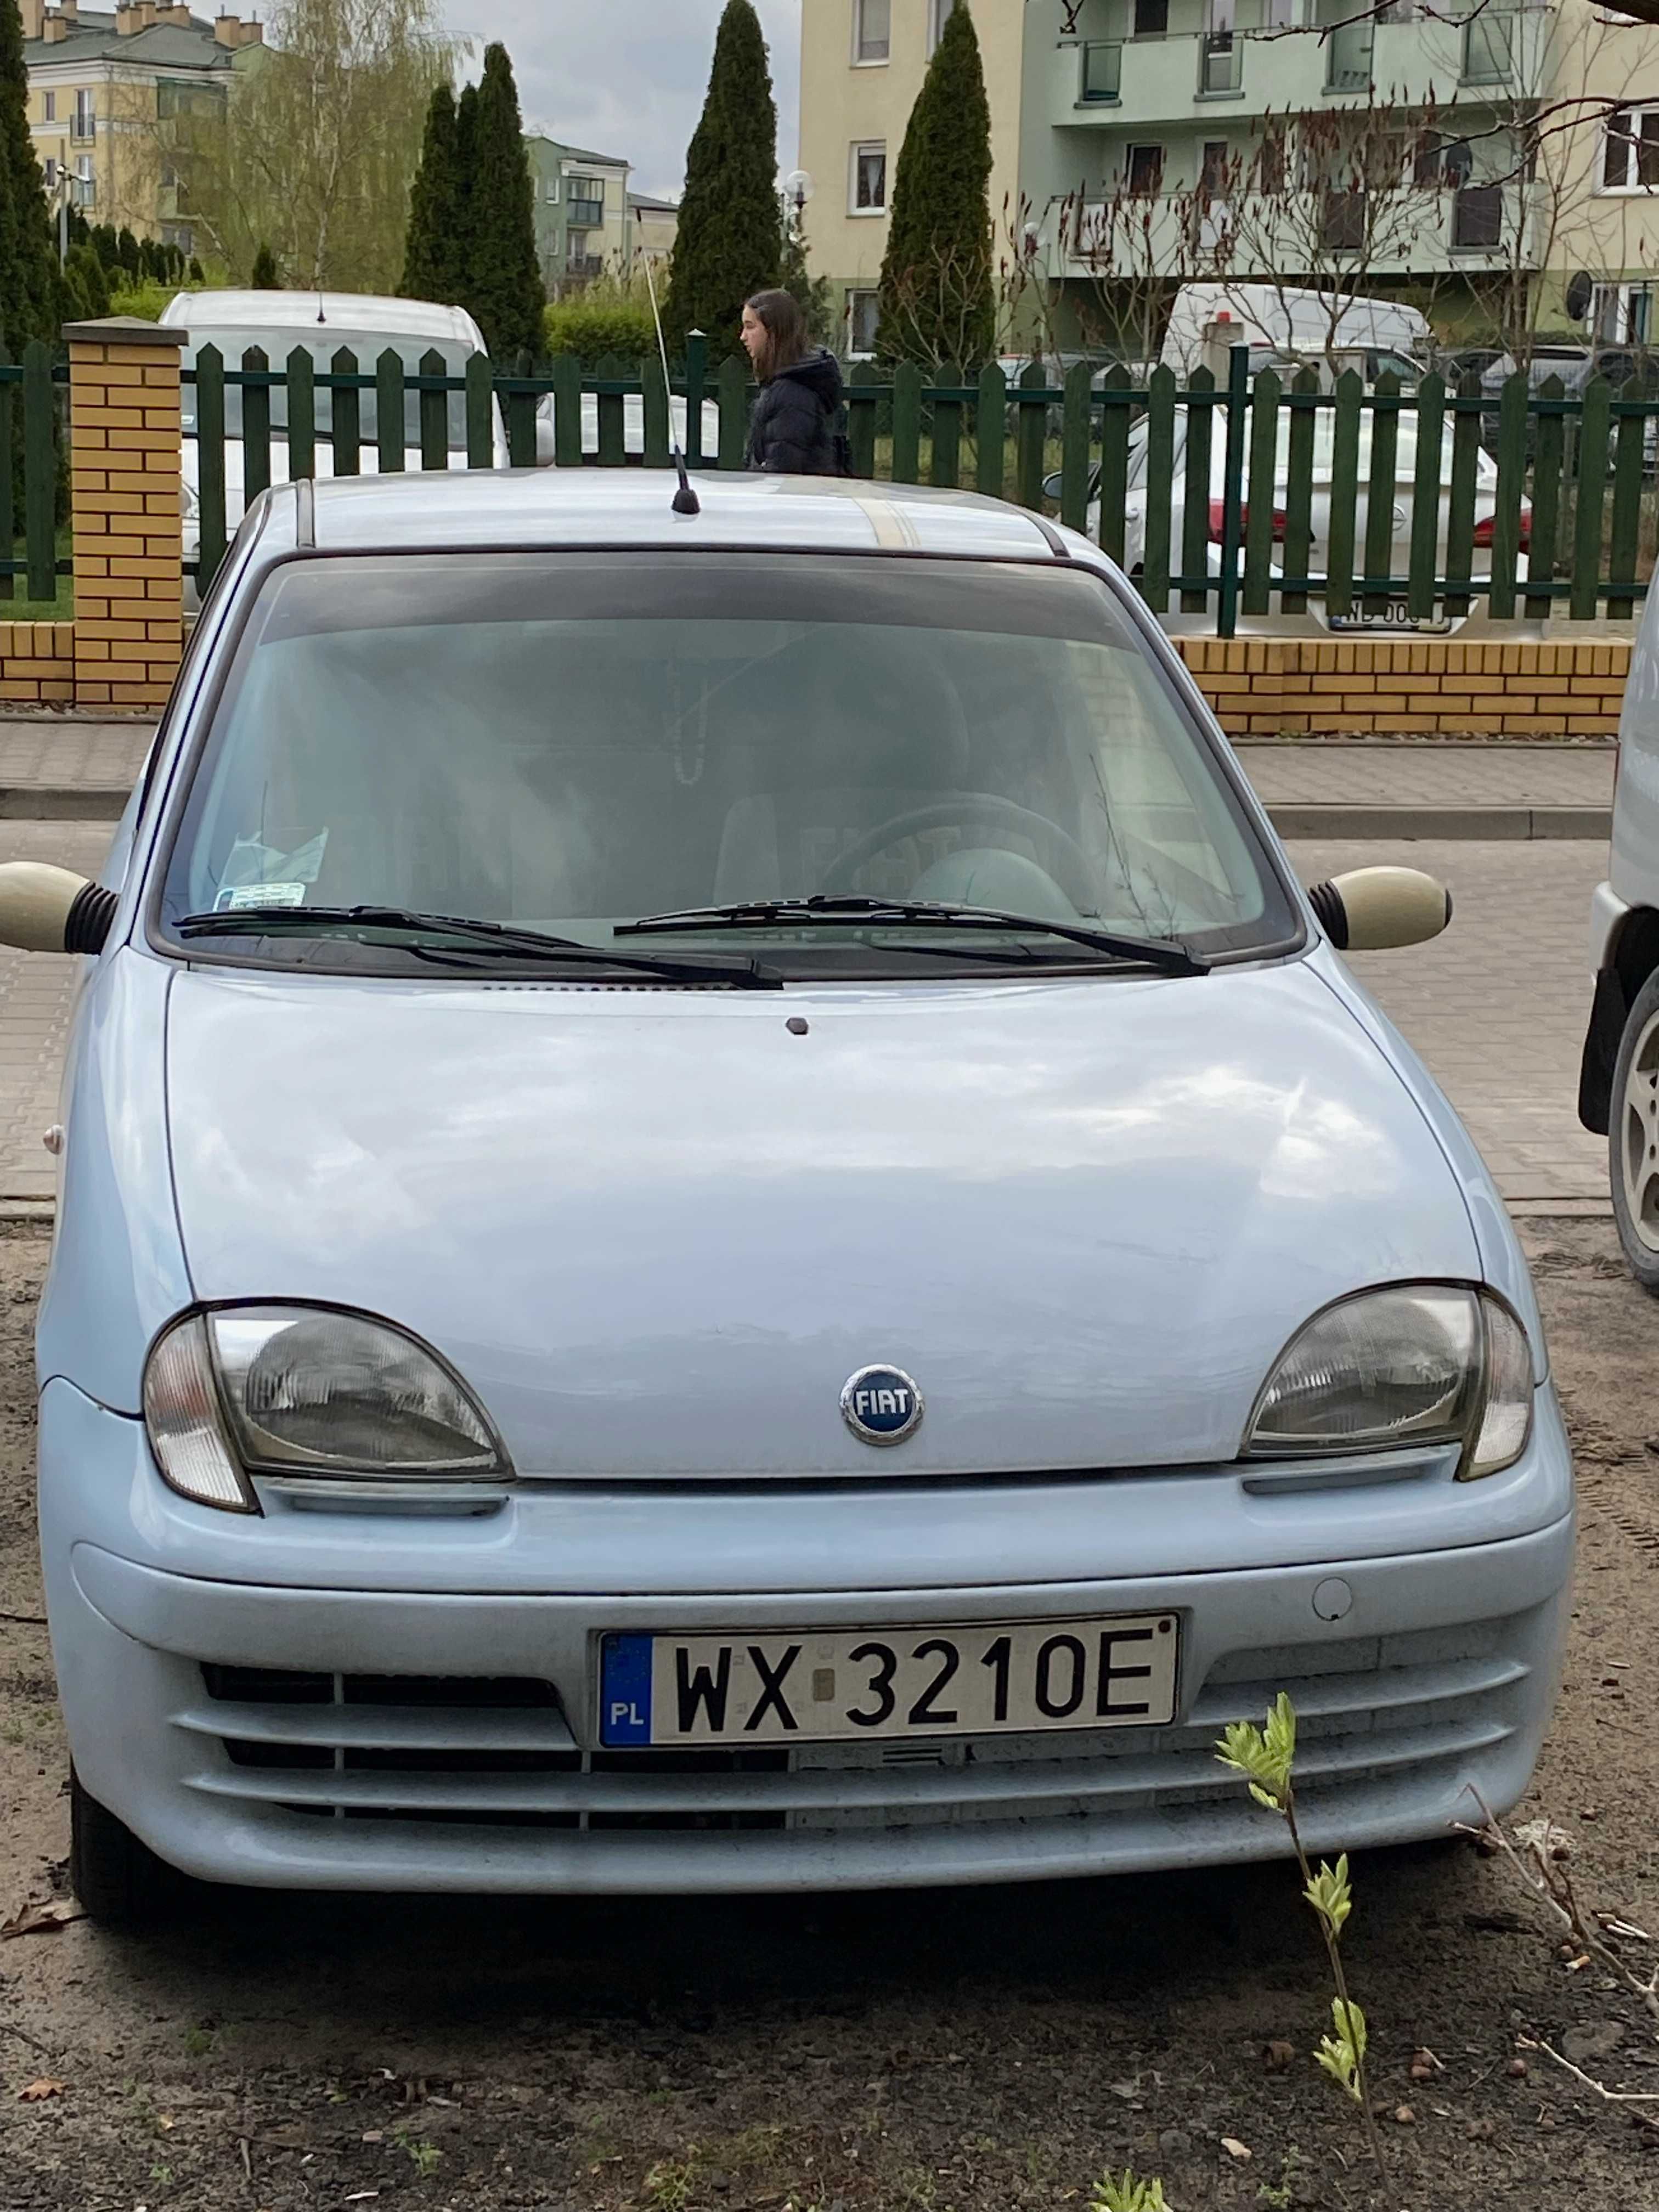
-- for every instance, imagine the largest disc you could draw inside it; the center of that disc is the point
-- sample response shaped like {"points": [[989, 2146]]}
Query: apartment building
{"points": [[862, 65], [1144, 142], [105, 86], [586, 217]]}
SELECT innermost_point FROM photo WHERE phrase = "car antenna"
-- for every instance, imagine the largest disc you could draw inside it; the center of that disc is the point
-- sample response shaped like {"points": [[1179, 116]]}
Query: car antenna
{"points": [[321, 317], [685, 499]]}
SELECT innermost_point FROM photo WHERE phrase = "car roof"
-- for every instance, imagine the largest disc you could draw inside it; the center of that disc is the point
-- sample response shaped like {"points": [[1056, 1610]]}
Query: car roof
{"points": [[546, 509], [294, 311]]}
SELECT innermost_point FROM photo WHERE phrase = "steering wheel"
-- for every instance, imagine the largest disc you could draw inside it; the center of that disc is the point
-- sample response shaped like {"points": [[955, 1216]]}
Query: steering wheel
{"points": [[1065, 858]]}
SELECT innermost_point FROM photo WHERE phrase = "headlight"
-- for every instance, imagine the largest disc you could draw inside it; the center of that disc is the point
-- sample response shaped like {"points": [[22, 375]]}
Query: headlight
{"points": [[299, 1390], [1419, 1363]]}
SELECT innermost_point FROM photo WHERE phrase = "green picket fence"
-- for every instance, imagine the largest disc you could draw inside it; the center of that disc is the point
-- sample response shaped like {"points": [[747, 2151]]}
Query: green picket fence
{"points": [[1249, 497], [30, 434]]}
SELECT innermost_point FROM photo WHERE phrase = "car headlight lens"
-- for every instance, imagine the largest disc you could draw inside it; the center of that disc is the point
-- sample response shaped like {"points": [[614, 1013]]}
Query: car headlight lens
{"points": [[1416, 1363], [299, 1390]]}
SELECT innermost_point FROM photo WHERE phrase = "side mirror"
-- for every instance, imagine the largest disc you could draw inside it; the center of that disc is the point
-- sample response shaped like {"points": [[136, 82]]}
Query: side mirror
{"points": [[1054, 486], [545, 447], [1377, 909], [45, 909]]}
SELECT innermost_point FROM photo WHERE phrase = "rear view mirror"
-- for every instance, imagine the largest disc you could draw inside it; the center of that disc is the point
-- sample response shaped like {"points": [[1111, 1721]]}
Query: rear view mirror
{"points": [[1379, 909], [1054, 486], [46, 909]]}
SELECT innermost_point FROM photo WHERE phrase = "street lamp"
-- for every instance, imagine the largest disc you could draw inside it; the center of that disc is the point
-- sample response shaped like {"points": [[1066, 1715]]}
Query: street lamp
{"points": [[797, 190]]}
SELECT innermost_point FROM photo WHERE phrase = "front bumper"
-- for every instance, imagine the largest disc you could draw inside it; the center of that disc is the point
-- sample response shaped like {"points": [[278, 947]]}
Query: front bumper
{"points": [[362, 1736]]}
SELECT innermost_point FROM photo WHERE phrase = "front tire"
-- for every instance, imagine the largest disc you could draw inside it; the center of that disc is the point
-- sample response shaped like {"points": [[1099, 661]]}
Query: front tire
{"points": [[1633, 1137], [119, 1881]]}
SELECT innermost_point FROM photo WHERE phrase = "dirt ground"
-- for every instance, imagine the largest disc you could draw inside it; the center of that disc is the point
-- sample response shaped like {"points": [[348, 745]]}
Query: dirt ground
{"points": [[963, 2051]]}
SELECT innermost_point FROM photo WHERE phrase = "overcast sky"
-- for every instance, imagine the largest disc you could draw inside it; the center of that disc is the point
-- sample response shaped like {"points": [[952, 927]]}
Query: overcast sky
{"points": [[627, 77]]}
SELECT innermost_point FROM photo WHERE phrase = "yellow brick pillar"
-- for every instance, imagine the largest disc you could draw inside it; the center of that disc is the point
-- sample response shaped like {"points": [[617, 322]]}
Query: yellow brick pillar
{"points": [[125, 434]]}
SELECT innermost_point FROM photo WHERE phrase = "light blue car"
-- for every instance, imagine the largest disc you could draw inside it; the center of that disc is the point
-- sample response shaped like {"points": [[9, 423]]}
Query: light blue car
{"points": [[725, 1225]]}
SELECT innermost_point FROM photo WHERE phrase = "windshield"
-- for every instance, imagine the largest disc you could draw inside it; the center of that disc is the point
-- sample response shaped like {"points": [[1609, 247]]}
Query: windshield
{"points": [[571, 743], [322, 344]]}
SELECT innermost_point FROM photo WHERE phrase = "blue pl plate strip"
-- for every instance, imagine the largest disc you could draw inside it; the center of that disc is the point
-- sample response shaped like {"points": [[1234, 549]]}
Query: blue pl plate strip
{"points": [[625, 1691]]}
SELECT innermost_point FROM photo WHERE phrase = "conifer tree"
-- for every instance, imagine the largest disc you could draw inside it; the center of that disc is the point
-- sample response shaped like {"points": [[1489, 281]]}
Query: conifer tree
{"points": [[503, 269], [731, 239], [31, 288], [267, 277], [938, 301], [432, 262]]}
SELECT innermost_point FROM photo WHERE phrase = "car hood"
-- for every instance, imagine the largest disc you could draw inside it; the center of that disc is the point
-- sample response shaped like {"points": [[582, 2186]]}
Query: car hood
{"points": [[657, 1231]]}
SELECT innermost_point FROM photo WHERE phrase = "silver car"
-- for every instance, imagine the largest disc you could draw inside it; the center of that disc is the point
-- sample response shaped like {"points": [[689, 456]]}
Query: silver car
{"points": [[726, 1224]]}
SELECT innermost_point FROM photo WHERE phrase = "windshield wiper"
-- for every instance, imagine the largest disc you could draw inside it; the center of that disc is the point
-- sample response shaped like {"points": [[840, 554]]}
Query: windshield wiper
{"points": [[1159, 952], [486, 939]]}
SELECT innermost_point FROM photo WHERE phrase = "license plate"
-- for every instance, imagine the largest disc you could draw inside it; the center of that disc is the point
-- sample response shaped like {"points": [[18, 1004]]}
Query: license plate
{"points": [[813, 1686], [1393, 614]]}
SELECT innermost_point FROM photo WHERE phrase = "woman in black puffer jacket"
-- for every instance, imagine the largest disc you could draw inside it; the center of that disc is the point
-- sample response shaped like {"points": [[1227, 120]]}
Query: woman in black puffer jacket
{"points": [[792, 429]]}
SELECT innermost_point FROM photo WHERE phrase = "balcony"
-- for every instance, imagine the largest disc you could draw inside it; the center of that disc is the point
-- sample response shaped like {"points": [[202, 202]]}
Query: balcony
{"points": [[1178, 236], [585, 215], [584, 265]]}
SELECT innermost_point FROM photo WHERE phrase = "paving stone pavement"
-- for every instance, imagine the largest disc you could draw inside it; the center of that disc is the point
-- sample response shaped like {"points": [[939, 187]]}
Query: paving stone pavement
{"points": [[1448, 775], [1498, 1007], [59, 749], [37, 997]]}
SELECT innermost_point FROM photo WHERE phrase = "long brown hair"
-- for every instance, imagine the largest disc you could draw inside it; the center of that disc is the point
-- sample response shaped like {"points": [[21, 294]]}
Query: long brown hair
{"points": [[780, 316]]}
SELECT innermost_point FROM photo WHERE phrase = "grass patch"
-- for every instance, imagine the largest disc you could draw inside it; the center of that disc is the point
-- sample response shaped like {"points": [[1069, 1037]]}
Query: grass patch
{"points": [[21, 608]]}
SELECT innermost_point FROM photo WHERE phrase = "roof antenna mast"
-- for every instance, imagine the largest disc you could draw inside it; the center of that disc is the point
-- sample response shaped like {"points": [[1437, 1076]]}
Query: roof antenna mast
{"points": [[685, 499]]}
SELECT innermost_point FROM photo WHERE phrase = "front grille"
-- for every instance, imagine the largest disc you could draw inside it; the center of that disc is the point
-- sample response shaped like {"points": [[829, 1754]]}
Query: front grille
{"points": [[491, 1751]]}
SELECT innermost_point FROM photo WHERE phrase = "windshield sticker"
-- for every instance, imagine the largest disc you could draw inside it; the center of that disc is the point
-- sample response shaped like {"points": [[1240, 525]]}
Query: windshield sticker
{"points": [[241, 898]]}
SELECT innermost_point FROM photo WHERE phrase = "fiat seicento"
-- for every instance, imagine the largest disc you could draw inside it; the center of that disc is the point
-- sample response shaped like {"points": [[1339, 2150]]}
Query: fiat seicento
{"points": [[725, 1225]]}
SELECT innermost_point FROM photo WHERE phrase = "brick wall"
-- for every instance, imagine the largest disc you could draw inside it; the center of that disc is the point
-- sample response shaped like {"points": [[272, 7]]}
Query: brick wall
{"points": [[1266, 687], [36, 663], [124, 496]]}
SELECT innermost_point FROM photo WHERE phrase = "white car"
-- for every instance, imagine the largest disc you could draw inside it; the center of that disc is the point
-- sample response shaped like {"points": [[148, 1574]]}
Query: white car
{"points": [[323, 323], [633, 426], [1395, 615], [1619, 1087]]}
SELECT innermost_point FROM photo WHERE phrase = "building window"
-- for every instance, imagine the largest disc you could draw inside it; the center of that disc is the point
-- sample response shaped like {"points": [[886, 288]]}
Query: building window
{"points": [[86, 190], [1489, 46], [1620, 315], [1144, 172], [585, 200], [1152, 18], [1102, 68], [863, 313], [939, 15], [1477, 218], [52, 174], [86, 117], [870, 178], [1631, 163], [873, 30], [1270, 162], [49, 109], [1213, 176], [1220, 56]]}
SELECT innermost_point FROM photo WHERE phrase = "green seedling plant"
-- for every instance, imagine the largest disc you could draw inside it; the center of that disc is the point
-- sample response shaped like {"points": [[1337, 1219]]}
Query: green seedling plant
{"points": [[1127, 2192], [1266, 1757]]}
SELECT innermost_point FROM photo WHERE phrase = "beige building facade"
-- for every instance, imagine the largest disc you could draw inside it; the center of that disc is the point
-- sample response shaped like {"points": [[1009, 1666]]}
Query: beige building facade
{"points": [[862, 65], [107, 88]]}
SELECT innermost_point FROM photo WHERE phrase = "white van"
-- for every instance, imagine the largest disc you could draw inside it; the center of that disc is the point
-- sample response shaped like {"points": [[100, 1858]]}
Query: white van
{"points": [[1619, 1084], [1292, 327], [323, 323]]}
